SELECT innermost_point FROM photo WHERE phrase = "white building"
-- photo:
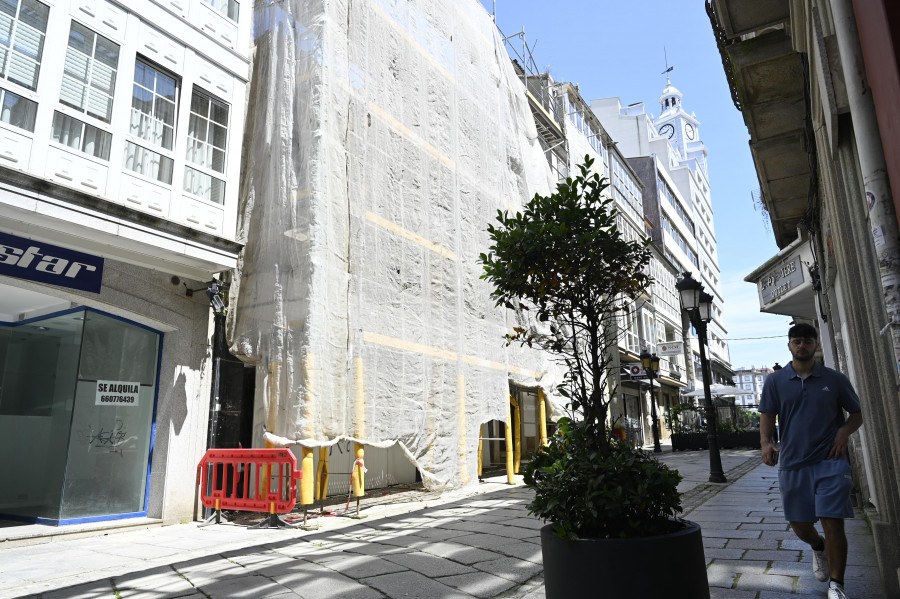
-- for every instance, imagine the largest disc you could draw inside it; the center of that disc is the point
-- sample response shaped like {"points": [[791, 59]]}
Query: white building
{"points": [[671, 160], [656, 318], [120, 150], [750, 379]]}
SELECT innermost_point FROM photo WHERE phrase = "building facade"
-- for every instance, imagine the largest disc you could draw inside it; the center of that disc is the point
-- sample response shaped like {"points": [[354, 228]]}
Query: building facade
{"points": [[120, 138], [751, 380], [654, 319], [670, 158], [817, 84]]}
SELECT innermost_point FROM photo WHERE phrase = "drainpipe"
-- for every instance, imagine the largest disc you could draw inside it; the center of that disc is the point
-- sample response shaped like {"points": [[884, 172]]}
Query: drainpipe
{"points": [[882, 219]]}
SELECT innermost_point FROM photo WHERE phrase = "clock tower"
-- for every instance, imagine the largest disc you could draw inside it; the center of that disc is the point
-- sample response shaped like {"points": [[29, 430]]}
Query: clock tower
{"points": [[682, 129]]}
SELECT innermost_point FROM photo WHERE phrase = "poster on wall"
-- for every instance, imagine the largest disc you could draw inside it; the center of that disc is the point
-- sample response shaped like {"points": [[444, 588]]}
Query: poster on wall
{"points": [[117, 393]]}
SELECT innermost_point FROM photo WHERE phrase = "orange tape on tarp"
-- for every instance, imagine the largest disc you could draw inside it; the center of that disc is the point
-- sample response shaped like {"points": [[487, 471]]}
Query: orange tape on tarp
{"points": [[250, 480]]}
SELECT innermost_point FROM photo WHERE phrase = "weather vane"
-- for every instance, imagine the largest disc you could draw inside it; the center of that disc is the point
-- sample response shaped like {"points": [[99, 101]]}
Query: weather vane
{"points": [[668, 68]]}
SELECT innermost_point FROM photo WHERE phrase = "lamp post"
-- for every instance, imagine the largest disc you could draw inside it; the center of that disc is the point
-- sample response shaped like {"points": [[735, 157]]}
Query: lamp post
{"points": [[651, 367], [698, 305]]}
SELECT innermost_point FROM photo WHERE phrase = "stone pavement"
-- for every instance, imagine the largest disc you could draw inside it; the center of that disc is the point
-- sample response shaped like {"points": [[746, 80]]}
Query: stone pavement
{"points": [[477, 542]]}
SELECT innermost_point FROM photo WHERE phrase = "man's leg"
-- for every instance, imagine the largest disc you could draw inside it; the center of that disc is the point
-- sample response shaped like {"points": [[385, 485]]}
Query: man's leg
{"points": [[835, 546], [806, 532]]}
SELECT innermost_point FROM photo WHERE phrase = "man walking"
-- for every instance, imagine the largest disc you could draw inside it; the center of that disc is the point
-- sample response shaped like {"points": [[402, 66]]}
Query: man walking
{"points": [[809, 400]]}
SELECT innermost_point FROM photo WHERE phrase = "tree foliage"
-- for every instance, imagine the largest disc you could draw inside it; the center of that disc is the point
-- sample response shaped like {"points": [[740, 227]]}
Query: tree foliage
{"points": [[565, 259], [619, 492]]}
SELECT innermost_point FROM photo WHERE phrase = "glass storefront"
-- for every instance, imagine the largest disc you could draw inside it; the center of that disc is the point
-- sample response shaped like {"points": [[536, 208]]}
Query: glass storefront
{"points": [[77, 397]]}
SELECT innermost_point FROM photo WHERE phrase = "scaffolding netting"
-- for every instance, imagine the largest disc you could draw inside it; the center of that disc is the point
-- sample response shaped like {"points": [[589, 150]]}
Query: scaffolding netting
{"points": [[382, 137]]}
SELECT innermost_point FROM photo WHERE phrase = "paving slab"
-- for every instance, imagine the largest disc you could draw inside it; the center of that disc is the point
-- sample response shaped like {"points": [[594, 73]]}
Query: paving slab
{"points": [[431, 566], [479, 542], [482, 585], [413, 585]]}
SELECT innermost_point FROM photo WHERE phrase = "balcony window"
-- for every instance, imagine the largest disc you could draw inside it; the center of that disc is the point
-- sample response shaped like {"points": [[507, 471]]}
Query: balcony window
{"points": [[89, 76], [229, 8], [23, 26], [153, 106], [76, 134], [153, 116], [17, 111], [206, 147], [148, 163]]}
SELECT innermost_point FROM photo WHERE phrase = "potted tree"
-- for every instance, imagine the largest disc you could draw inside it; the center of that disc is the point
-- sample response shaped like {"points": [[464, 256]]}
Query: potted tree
{"points": [[612, 508]]}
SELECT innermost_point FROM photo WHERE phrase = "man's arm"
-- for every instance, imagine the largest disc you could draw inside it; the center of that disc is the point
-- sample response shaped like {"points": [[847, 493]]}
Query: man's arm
{"points": [[766, 438], [842, 437]]}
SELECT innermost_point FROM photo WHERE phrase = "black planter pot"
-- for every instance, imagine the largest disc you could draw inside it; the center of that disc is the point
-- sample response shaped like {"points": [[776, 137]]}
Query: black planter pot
{"points": [[671, 566], [682, 441]]}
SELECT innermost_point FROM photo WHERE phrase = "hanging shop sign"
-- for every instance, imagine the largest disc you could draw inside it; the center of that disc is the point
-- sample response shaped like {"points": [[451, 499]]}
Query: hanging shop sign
{"points": [[117, 393], [45, 263], [670, 348], [781, 279], [635, 371]]}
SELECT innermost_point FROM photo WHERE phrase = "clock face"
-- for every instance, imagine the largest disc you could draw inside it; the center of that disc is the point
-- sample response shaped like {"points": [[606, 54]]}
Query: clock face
{"points": [[689, 131], [668, 130]]}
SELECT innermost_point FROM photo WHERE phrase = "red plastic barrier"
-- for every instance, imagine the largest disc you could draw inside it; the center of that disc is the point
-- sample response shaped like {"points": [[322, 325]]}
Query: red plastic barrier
{"points": [[250, 480]]}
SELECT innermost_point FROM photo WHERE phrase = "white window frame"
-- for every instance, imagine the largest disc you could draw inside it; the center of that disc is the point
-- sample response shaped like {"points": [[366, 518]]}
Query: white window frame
{"points": [[92, 70], [229, 8], [195, 146], [19, 31], [6, 110], [148, 148]]}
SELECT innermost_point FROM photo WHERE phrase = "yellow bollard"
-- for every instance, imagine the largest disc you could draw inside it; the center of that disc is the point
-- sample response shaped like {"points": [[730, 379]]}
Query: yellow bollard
{"points": [[359, 471], [517, 441], [480, 450], [322, 474], [542, 416], [307, 483], [510, 478]]}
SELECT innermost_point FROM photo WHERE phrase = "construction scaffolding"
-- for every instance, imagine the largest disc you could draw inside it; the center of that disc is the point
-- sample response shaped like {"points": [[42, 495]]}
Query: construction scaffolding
{"points": [[382, 139]]}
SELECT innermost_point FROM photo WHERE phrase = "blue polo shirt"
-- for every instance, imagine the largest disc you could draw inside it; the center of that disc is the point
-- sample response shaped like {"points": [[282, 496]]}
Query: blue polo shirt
{"points": [[809, 412]]}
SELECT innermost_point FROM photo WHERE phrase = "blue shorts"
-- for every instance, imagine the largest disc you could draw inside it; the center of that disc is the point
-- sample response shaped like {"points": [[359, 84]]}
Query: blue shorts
{"points": [[817, 491]]}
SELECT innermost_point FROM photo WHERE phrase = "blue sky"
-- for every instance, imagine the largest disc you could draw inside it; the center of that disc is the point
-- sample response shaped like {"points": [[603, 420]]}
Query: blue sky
{"points": [[620, 49]]}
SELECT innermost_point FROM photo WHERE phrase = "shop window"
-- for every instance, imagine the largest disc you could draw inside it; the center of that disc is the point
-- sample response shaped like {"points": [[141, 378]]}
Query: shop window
{"points": [[77, 389]]}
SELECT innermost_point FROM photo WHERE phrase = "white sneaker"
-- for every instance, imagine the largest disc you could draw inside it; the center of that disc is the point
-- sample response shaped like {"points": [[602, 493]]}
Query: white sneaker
{"points": [[820, 564], [836, 591]]}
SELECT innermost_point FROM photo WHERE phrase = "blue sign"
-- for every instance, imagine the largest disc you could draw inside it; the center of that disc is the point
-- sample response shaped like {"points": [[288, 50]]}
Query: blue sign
{"points": [[35, 261]]}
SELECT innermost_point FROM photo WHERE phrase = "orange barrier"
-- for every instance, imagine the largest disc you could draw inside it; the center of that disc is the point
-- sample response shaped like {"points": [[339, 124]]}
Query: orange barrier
{"points": [[250, 480]]}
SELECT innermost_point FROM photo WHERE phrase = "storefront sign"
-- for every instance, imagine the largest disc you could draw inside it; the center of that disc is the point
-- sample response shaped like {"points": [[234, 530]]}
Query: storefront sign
{"points": [[635, 371], [35, 261], [781, 279], [117, 393], [670, 348]]}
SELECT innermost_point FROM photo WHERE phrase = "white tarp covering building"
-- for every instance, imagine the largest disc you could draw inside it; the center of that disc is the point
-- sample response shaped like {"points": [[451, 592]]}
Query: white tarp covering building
{"points": [[383, 137]]}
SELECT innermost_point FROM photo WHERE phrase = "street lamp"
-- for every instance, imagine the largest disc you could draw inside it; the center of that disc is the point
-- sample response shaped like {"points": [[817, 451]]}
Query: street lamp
{"points": [[651, 367], [698, 305]]}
